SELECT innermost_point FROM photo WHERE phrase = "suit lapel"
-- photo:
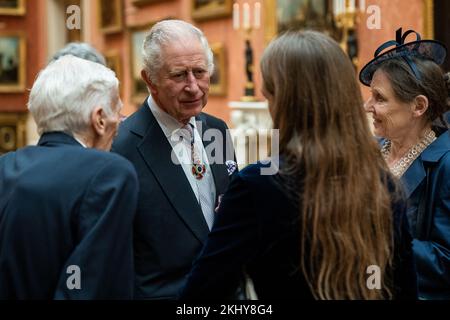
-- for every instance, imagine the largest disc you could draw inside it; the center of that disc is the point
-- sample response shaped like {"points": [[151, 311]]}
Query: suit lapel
{"points": [[156, 152]]}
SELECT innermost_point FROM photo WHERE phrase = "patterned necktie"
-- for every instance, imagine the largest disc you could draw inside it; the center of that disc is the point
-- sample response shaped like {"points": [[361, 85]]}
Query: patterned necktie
{"points": [[198, 167], [205, 197]]}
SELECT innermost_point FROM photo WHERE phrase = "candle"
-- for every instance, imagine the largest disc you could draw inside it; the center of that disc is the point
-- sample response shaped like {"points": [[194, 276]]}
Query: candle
{"points": [[335, 7], [257, 16], [352, 6], [342, 6], [246, 16], [362, 5], [236, 16]]}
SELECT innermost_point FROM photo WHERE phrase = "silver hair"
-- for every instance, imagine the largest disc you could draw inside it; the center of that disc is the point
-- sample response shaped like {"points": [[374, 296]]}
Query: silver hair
{"points": [[165, 32], [81, 50], [66, 92]]}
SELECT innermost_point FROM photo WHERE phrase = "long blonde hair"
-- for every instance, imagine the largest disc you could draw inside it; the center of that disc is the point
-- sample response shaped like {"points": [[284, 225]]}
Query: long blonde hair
{"points": [[345, 205]]}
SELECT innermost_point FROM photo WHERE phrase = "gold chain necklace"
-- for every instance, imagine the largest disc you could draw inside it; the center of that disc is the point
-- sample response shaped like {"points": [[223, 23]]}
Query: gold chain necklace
{"points": [[399, 167]]}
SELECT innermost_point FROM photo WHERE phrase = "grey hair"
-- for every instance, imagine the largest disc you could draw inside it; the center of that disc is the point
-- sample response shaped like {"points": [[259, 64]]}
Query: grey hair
{"points": [[81, 50], [66, 92], [165, 32]]}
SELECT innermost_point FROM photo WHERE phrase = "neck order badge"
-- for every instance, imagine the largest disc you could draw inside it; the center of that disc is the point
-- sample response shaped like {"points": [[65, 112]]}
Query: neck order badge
{"points": [[198, 168]]}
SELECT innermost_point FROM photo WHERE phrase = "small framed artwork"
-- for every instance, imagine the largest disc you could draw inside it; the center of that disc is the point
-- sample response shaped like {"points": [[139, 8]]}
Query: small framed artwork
{"points": [[114, 62], [145, 2], [211, 9], [12, 131], [139, 89], [297, 15], [218, 80], [12, 7], [110, 16], [12, 61]]}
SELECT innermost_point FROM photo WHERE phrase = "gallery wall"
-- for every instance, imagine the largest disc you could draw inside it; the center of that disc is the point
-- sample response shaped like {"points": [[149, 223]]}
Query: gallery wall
{"points": [[114, 37]]}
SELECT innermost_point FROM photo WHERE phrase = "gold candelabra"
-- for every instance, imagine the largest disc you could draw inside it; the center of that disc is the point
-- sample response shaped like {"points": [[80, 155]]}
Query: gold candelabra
{"points": [[346, 21]]}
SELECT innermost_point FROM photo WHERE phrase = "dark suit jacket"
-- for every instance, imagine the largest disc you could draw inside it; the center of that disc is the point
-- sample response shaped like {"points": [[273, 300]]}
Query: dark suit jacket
{"points": [[170, 228], [432, 253], [257, 227], [63, 205]]}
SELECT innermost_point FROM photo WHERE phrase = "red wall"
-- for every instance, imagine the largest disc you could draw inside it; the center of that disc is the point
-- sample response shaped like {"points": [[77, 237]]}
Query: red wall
{"points": [[33, 25]]}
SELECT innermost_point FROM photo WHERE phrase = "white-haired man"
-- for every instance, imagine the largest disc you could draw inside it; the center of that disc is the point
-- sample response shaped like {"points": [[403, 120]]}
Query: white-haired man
{"points": [[176, 202], [66, 209]]}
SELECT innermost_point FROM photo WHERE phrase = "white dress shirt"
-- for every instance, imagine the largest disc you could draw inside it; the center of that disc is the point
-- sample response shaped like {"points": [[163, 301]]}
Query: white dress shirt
{"points": [[181, 154]]}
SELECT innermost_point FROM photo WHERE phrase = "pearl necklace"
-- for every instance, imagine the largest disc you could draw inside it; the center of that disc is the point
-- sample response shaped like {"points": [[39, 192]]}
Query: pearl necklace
{"points": [[399, 168]]}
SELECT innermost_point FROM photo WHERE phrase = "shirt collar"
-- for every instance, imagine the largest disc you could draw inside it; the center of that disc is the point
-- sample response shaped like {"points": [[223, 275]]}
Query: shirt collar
{"points": [[168, 124], [80, 142]]}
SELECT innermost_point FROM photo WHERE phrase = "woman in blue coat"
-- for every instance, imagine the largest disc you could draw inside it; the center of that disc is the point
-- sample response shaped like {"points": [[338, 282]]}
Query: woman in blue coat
{"points": [[328, 224], [408, 102]]}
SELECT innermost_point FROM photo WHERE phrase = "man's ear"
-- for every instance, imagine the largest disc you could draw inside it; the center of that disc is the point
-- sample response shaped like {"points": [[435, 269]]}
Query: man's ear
{"points": [[150, 85], [420, 105], [98, 121]]}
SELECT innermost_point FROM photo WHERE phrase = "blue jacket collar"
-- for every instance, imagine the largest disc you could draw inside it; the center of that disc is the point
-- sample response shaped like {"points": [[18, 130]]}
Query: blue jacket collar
{"points": [[412, 178], [54, 138]]}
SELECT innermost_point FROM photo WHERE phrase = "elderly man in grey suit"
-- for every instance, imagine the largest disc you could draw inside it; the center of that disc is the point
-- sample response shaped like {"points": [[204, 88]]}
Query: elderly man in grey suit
{"points": [[168, 141]]}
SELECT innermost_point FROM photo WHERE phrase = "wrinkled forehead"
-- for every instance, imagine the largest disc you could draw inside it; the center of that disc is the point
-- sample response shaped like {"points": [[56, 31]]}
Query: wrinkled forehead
{"points": [[379, 76], [381, 83], [184, 53]]}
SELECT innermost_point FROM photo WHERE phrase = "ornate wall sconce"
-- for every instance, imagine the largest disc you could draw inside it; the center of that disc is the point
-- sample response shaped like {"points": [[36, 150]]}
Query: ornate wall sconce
{"points": [[347, 16]]}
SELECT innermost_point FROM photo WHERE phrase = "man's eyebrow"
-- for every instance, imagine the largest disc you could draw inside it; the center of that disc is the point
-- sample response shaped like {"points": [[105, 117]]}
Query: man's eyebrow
{"points": [[182, 69]]}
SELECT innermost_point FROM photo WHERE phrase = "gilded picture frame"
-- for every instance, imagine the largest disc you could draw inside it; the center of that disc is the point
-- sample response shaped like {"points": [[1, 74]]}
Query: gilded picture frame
{"points": [[114, 62], [12, 131], [12, 7], [139, 89], [218, 80], [12, 61], [297, 14], [146, 2], [428, 17], [110, 16], [211, 9]]}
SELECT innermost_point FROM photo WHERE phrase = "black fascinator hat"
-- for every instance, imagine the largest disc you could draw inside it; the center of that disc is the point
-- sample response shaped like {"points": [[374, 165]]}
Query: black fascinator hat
{"points": [[422, 49]]}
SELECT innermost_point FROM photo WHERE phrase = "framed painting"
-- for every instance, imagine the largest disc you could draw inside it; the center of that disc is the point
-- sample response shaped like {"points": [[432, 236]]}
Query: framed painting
{"points": [[12, 7], [114, 62], [145, 2], [138, 87], [110, 16], [12, 61], [211, 9], [282, 15], [218, 80], [12, 131]]}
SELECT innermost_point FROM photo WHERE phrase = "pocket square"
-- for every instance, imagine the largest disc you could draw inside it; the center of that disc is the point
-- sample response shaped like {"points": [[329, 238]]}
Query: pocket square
{"points": [[231, 166]]}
